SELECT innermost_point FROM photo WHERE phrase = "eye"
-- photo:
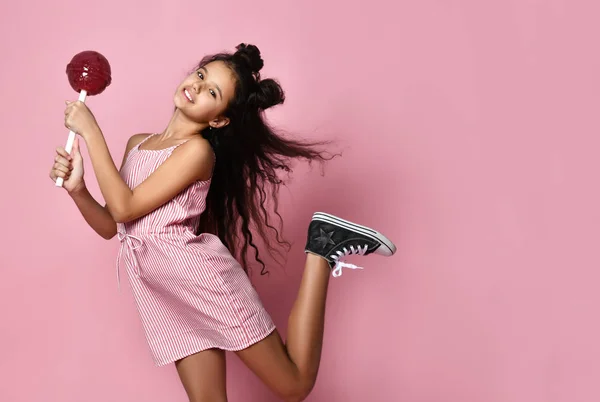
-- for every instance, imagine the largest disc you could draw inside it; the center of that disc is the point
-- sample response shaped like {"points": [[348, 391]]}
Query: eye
{"points": [[201, 75], [214, 95]]}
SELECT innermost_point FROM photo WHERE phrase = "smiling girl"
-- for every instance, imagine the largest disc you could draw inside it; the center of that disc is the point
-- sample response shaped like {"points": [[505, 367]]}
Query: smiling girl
{"points": [[183, 205]]}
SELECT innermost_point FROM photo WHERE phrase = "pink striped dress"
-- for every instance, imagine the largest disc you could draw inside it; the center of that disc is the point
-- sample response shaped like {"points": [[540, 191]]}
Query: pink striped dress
{"points": [[190, 292]]}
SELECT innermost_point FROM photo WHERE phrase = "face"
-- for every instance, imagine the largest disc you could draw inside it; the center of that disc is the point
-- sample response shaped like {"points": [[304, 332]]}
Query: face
{"points": [[204, 95]]}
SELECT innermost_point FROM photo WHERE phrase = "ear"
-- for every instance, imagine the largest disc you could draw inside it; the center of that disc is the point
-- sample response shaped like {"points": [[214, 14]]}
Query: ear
{"points": [[219, 122]]}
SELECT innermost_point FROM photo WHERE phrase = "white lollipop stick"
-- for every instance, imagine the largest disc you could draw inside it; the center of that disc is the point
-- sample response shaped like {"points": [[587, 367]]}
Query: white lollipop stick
{"points": [[71, 139]]}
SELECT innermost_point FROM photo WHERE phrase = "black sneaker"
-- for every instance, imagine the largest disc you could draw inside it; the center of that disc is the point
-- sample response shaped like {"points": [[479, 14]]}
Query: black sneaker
{"points": [[333, 238]]}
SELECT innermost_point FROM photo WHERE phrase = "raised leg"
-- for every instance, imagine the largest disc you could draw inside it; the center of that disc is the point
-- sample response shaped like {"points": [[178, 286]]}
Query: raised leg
{"points": [[290, 369]]}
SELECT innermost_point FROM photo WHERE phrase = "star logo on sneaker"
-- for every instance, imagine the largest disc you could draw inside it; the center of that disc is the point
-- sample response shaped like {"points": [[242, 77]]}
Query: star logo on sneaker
{"points": [[325, 238]]}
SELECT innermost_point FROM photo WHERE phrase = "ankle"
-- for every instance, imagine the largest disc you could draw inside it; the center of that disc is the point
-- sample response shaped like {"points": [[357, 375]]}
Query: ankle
{"points": [[316, 260]]}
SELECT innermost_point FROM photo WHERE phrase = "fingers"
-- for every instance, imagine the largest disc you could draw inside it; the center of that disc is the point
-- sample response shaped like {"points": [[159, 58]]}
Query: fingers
{"points": [[78, 117], [70, 112], [70, 105], [62, 152], [62, 166], [68, 121], [59, 171]]}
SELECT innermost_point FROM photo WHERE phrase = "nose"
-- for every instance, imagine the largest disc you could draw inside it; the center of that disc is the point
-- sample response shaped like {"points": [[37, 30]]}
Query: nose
{"points": [[196, 86]]}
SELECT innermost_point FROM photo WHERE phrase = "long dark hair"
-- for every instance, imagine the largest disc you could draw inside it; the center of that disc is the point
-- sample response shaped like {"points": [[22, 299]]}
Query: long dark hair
{"points": [[249, 157]]}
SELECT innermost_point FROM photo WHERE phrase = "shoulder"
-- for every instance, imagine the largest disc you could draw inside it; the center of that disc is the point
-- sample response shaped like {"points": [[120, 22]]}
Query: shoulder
{"points": [[196, 145], [198, 155], [134, 140]]}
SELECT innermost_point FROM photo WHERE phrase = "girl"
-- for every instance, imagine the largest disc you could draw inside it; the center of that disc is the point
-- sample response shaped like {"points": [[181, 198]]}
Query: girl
{"points": [[181, 204]]}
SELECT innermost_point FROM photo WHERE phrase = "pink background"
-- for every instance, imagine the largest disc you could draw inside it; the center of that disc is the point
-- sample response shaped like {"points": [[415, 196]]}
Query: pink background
{"points": [[470, 137]]}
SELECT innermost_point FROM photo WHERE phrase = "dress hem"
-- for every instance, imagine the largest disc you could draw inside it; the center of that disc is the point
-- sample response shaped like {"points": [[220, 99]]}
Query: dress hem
{"points": [[193, 351]]}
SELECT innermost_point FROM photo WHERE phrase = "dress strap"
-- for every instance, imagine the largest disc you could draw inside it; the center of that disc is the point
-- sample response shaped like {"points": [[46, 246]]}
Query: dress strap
{"points": [[180, 144], [145, 139]]}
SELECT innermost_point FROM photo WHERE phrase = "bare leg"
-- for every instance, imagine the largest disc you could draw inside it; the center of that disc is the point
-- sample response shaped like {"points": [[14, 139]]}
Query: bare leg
{"points": [[306, 323], [203, 376], [291, 370]]}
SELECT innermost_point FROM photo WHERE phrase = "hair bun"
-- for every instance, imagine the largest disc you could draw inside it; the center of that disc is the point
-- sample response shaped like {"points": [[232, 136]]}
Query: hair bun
{"points": [[251, 56], [268, 94]]}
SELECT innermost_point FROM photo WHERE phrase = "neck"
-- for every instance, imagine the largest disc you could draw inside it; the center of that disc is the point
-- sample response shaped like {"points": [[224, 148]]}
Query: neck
{"points": [[180, 127]]}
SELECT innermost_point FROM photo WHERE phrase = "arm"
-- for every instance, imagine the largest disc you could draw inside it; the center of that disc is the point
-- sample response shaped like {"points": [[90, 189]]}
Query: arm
{"points": [[188, 163], [96, 215]]}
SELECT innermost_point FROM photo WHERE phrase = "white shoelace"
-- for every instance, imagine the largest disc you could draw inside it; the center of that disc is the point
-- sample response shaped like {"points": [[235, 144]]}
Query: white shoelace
{"points": [[337, 268]]}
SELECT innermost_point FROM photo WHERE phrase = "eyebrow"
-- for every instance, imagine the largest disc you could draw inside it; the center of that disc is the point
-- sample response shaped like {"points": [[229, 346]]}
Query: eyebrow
{"points": [[218, 89]]}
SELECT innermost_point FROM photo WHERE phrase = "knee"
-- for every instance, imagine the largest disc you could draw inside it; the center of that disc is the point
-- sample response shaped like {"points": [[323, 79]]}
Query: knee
{"points": [[217, 397], [297, 393], [209, 395]]}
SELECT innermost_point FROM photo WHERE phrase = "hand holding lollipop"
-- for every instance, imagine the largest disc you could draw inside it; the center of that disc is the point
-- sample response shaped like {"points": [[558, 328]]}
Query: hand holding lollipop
{"points": [[89, 74]]}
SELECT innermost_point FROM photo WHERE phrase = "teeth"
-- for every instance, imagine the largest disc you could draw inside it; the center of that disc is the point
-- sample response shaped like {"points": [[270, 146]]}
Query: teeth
{"points": [[187, 94]]}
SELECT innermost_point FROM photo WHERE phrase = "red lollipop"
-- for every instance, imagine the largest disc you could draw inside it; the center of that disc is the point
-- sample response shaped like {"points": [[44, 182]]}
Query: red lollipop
{"points": [[89, 71], [89, 74]]}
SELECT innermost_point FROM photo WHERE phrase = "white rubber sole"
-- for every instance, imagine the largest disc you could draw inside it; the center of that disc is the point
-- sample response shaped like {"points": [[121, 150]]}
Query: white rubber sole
{"points": [[388, 248]]}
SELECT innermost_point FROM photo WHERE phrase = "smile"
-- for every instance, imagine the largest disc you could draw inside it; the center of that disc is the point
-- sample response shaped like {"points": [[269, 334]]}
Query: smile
{"points": [[188, 95]]}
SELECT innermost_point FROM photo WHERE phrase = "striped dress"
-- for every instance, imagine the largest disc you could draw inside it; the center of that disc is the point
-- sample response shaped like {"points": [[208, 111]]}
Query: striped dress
{"points": [[191, 294]]}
